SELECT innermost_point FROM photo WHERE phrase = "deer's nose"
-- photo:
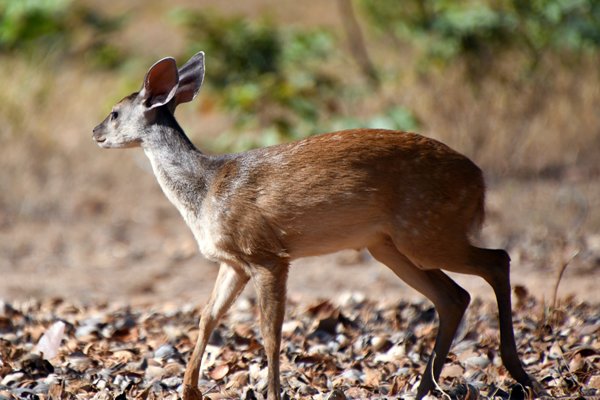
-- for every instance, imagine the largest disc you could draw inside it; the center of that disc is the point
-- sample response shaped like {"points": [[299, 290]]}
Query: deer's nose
{"points": [[97, 134]]}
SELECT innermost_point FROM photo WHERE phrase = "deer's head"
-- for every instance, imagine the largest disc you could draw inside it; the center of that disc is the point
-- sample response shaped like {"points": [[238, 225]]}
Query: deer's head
{"points": [[164, 88]]}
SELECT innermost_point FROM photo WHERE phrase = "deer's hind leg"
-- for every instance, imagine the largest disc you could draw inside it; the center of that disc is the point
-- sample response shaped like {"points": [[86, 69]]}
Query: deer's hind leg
{"points": [[450, 301], [494, 267], [456, 254]]}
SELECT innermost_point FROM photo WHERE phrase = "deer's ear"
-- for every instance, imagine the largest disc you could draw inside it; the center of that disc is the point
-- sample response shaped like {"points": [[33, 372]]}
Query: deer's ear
{"points": [[160, 83], [191, 76]]}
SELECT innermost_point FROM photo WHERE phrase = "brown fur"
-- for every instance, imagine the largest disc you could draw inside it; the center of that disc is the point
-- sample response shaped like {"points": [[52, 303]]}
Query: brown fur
{"points": [[351, 187]]}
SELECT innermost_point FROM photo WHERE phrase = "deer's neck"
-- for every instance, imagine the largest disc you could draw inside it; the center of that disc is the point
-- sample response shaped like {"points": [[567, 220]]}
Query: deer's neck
{"points": [[182, 171]]}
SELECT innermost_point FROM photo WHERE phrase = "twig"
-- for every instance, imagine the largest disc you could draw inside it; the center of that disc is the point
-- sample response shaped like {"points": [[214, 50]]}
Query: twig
{"points": [[437, 386], [558, 279]]}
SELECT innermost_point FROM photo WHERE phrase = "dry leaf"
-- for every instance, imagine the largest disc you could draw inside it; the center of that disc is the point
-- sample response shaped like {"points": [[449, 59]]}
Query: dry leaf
{"points": [[452, 371], [50, 340], [594, 382], [55, 391], [219, 372], [372, 377], [359, 349]]}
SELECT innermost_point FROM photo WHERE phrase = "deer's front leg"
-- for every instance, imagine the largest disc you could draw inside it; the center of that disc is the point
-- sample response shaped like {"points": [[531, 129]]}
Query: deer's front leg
{"points": [[270, 286], [229, 284]]}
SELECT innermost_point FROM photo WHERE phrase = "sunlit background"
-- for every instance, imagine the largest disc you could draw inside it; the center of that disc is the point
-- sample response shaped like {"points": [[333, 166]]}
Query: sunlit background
{"points": [[513, 84]]}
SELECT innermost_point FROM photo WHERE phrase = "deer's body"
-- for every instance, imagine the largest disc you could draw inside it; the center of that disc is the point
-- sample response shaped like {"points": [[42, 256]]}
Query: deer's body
{"points": [[411, 201], [367, 184]]}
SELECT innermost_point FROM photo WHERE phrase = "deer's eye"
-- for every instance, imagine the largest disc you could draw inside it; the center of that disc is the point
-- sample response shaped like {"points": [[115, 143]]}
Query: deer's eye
{"points": [[114, 115]]}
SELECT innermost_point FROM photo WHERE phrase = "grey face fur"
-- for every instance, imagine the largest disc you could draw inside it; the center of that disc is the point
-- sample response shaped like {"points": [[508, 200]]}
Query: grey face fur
{"points": [[124, 126], [129, 122]]}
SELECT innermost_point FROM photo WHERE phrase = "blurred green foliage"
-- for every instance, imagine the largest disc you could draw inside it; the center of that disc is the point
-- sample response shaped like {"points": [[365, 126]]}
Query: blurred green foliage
{"points": [[393, 117], [267, 76], [475, 29], [60, 29], [271, 79]]}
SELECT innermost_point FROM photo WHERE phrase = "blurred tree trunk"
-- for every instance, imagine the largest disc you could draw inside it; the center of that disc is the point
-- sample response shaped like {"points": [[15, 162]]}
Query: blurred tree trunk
{"points": [[356, 42]]}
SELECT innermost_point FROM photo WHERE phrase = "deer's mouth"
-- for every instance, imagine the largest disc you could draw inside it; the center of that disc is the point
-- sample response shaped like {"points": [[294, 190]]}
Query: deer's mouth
{"points": [[103, 142], [108, 144]]}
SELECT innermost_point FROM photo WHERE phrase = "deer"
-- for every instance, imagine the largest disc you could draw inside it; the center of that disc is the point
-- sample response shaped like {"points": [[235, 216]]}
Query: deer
{"points": [[411, 201]]}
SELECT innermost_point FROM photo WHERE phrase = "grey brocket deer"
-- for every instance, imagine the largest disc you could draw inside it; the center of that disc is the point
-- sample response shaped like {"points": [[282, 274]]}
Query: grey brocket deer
{"points": [[411, 201]]}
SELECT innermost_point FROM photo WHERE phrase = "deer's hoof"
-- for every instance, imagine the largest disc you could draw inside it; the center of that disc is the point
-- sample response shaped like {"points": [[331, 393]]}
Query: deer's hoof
{"points": [[191, 393]]}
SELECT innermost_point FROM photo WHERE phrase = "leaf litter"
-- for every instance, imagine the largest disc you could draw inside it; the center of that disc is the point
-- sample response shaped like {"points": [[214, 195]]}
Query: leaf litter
{"points": [[355, 348]]}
